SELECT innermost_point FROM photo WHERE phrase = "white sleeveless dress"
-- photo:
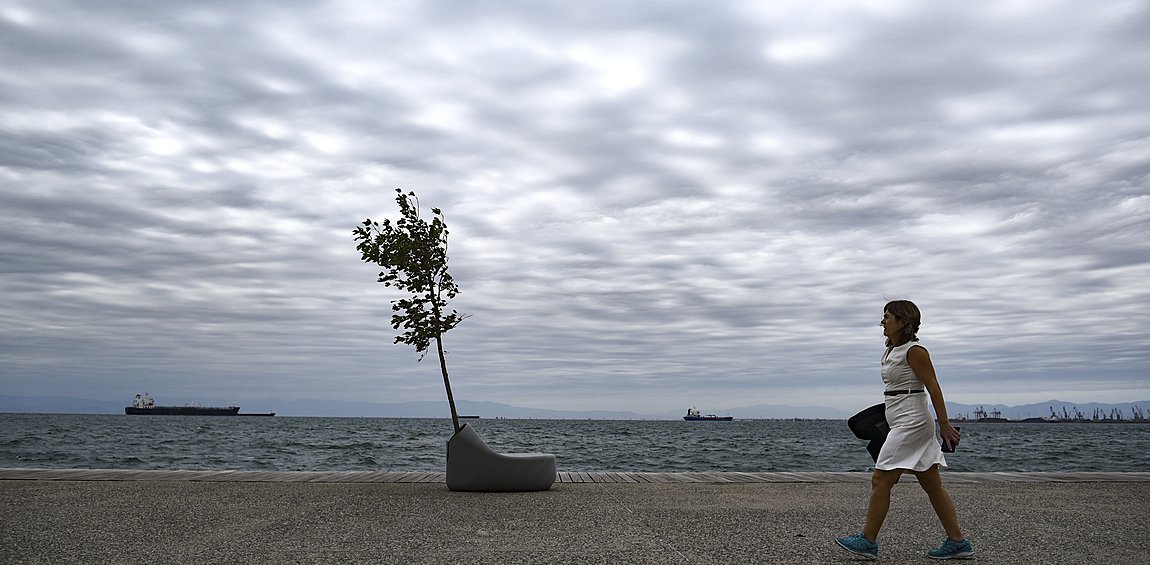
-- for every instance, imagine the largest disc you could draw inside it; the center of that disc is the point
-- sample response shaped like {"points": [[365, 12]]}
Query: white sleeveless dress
{"points": [[911, 443]]}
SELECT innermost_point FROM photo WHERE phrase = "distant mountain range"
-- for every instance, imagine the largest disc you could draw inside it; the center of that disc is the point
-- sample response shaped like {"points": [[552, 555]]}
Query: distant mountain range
{"points": [[438, 409]]}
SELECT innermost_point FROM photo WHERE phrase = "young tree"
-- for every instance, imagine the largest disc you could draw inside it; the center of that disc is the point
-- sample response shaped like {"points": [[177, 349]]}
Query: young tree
{"points": [[413, 254]]}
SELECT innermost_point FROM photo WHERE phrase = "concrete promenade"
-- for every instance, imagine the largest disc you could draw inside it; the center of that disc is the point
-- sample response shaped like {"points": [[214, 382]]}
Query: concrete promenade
{"points": [[101, 516]]}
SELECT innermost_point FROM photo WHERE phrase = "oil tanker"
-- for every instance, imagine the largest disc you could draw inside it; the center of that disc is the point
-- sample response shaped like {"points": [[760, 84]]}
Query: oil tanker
{"points": [[144, 405], [693, 415]]}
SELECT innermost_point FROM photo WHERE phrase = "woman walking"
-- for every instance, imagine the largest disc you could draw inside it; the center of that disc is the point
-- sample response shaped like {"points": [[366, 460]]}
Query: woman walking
{"points": [[909, 377]]}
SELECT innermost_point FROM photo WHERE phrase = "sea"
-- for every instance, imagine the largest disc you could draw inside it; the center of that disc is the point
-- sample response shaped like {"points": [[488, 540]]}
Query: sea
{"points": [[107, 441]]}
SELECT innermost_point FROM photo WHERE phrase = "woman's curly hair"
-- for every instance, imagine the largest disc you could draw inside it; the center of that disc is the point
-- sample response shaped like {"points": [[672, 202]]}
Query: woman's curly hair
{"points": [[911, 319]]}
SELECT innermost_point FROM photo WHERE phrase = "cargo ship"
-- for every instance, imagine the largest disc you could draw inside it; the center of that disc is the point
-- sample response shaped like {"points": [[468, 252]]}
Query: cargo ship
{"points": [[694, 416], [144, 405]]}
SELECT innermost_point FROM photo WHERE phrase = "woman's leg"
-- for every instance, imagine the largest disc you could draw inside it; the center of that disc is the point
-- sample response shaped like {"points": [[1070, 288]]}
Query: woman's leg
{"points": [[881, 482], [931, 482]]}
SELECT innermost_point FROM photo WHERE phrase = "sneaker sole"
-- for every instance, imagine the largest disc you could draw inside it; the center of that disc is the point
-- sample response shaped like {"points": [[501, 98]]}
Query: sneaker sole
{"points": [[959, 555], [868, 556]]}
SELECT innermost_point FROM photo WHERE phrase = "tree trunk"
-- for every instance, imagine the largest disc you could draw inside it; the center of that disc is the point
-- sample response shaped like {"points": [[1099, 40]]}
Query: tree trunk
{"points": [[446, 382], [434, 298]]}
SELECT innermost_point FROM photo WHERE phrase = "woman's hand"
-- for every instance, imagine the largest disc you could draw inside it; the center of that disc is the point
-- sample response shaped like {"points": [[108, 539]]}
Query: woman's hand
{"points": [[948, 433]]}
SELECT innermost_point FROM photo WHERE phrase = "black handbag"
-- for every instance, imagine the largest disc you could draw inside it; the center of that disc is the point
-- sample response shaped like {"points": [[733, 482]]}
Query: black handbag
{"points": [[870, 424]]}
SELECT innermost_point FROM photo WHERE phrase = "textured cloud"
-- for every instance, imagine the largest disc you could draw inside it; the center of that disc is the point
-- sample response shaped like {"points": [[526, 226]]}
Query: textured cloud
{"points": [[652, 205]]}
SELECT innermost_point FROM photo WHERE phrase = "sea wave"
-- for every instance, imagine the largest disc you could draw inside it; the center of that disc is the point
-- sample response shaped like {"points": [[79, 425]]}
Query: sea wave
{"points": [[395, 444]]}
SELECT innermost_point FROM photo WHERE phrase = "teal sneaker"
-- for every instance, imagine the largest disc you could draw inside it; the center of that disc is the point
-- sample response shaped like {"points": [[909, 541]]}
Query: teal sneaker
{"points": [[859, 545], [951, 549]]}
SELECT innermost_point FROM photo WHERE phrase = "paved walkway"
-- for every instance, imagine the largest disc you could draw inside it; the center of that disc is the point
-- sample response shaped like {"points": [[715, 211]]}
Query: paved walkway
{"points": [[562, 477], [100, 516]]}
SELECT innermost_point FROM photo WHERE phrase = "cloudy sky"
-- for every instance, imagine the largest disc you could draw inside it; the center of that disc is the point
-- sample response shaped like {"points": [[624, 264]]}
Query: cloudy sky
{"points": [[653, 204]]}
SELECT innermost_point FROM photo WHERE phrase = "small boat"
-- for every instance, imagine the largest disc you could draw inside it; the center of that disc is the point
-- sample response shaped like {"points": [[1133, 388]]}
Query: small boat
{"points": [[694, 416], [145, 405]]}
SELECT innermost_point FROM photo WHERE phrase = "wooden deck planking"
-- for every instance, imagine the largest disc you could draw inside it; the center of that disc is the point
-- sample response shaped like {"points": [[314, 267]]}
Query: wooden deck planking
{"points": [[403, 477], [565, 477]]}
